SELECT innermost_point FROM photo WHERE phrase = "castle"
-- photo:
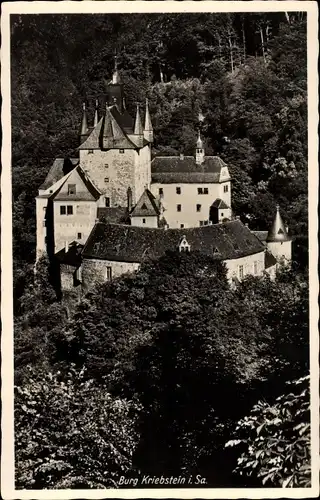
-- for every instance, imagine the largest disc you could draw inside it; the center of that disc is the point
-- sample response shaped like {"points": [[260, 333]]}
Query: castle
{"points": [[104, 212]]}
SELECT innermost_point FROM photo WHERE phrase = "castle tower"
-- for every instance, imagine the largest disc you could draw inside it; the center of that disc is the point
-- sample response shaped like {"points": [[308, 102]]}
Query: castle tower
{"points": [[278, 241], [148, 129], [84, 124], [199, 151], [138, 130]]}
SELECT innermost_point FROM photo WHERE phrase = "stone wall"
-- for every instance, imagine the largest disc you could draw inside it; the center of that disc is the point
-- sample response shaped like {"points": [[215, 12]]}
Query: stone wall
{"points": [[96, 271], [281, 249]]}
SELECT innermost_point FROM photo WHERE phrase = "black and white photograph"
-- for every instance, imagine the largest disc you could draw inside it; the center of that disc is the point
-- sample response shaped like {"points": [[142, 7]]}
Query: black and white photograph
{"points": [[162, 180]]}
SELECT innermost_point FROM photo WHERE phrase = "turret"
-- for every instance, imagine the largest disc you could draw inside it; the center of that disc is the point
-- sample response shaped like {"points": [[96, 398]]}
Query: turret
{"points": [[278, 241], [84, 124], [199, 151], [96, 114], [148, 129], [138, 130], [114, 88]]}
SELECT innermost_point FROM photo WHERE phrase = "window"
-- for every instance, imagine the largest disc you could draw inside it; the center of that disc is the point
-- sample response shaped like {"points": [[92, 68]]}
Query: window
{"points": [[181, 226], [62, 210], [106, 179], [221, 214], [178, 190], [240, 272], [106, 165], [200, 191], [90, 151], [79, 236], [71, 189], [205, 223], [144, 207], [255, 267], [160, 191], [44, 223], [205, 191], [198, 208], [225, 188], [201, 222], [109, 273], [143, 221], [178, 208], [107, 202], [121, 151], [69, 210]]}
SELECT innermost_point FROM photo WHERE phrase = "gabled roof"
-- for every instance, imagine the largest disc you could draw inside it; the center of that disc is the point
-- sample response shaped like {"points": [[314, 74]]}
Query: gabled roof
{"points": [[59, 168], [218, 203], [175, 169], [146, 206], [109, 132], [92, 194], [133, 244]]}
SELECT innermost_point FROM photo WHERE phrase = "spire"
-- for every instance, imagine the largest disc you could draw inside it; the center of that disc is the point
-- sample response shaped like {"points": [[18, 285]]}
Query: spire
{"points": [[137, 124], [148, 129], [115, 75], [199, 151], [96, 115], [278, 231], [107, 132], [84, 122]]}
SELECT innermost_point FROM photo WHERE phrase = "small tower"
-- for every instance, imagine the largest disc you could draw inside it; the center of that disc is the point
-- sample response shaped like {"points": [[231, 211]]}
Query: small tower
{"points": [[84, 124], [114, 88], [278, 241], [138, 130], [199, 151], [148, 129], [96, 114]]}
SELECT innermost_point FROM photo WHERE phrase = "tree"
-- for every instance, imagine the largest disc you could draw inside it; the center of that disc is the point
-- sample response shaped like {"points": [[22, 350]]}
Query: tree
{"points": [[275, 439], [69, 433]]}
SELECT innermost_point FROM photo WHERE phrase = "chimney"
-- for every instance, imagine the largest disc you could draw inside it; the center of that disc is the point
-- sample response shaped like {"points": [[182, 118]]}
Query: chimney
{"points": [[129, 199], [181, 156], [166, 226], [66, 246], [246, 224], [237, 217]]}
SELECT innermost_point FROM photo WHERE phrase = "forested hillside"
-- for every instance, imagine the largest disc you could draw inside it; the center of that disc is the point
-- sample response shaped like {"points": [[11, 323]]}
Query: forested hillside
{"points": [[244, 73], [166, 371]]}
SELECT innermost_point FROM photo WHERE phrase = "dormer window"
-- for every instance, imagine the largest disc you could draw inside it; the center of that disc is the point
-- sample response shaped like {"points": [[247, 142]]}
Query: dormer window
{"points": [[90, 151], [121, 151], [215, 251], [144, 207], [184, 245], [71, 189]]}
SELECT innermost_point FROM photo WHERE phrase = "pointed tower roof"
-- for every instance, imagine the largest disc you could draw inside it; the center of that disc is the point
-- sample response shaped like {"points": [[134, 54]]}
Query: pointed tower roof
{"points": [[138, 130], [115, 75], [84, 122], [199, 141], [96, 114], [147, 124], [278, 231]]}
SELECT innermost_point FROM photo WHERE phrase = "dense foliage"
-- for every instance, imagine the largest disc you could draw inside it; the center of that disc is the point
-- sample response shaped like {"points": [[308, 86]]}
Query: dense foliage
{"points": [[276, 438], [177, 339], [71, 434]]}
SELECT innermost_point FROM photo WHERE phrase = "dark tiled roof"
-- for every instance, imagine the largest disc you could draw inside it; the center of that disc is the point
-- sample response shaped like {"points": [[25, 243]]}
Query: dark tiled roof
{"points": [[113, 215], [59, 168], [146, 206], [218, 203], [72, 257], [173, 169], [262, 235], [269, 260], [125, 120], [230, 240], [111, 132], [75, 197]]}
